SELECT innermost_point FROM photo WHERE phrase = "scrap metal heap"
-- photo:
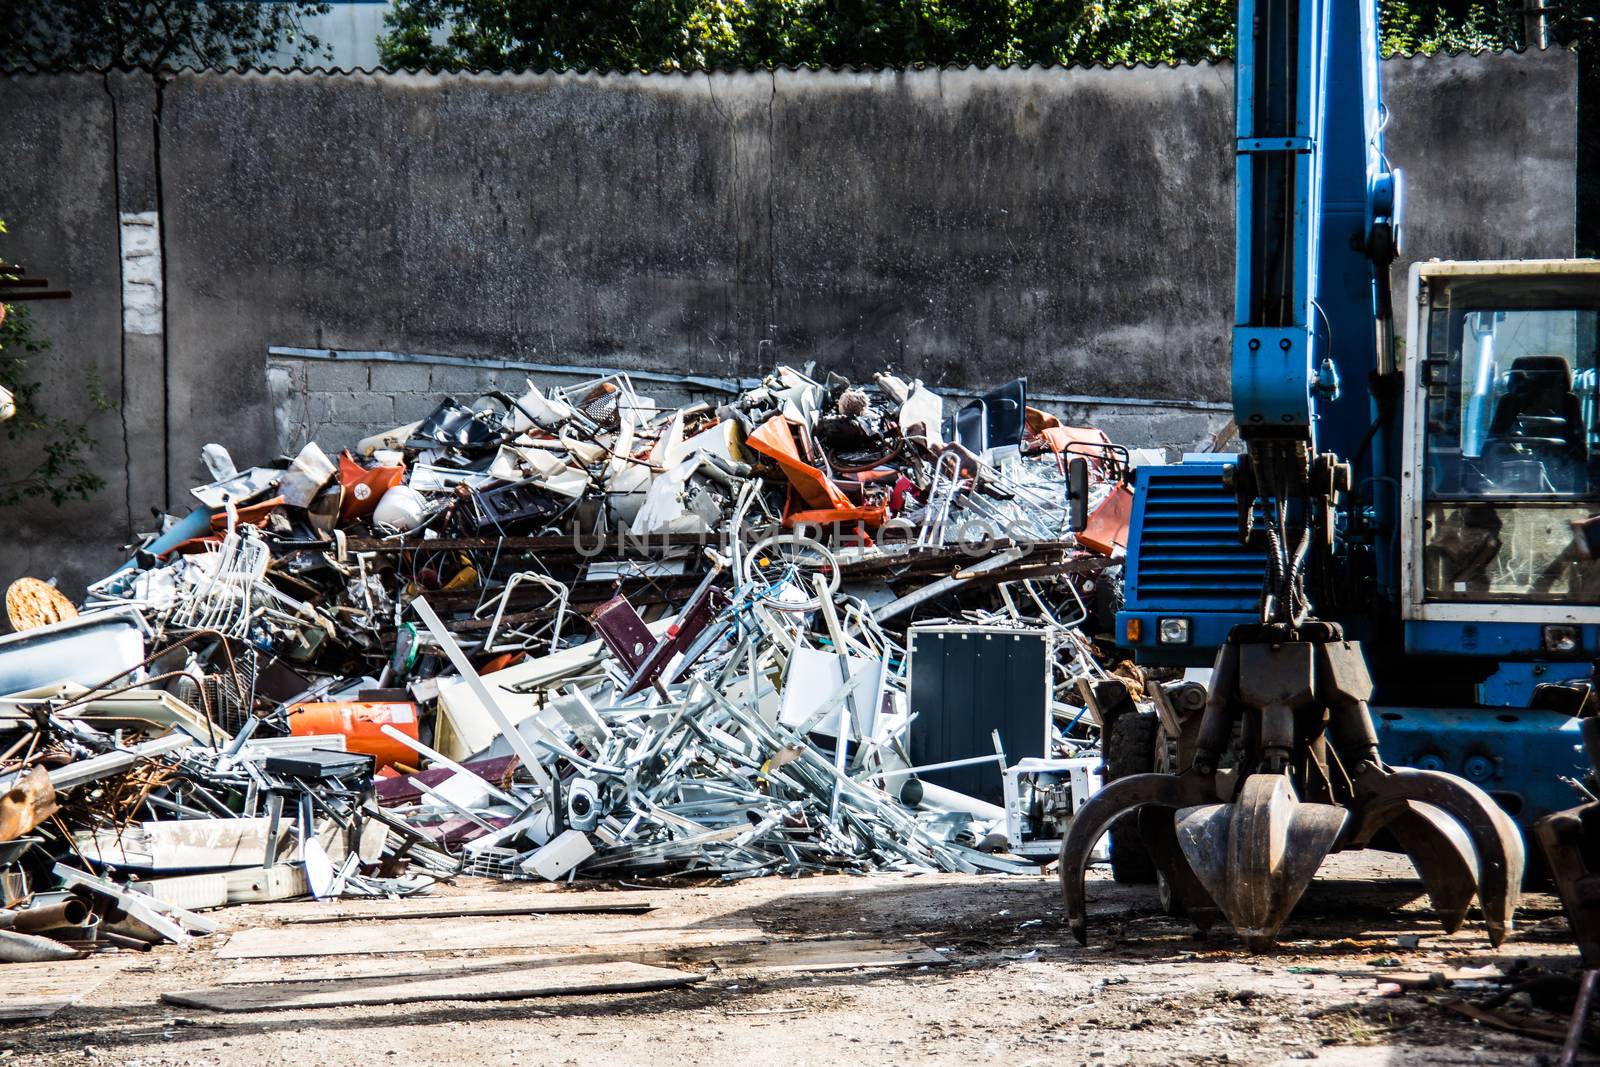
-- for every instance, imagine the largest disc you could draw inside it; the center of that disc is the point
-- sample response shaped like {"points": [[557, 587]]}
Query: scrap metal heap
{"points": [[563, 633]]}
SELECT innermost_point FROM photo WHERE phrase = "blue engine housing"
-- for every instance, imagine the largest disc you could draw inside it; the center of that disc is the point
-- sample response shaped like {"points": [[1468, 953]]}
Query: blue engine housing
{"points": [[1185, 562]]}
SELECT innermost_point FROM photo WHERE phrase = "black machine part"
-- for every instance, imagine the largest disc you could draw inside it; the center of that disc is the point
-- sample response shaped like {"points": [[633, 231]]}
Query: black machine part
{"points": [[1130, 748], [318, 765], [1570, 841], [1077, 493]]}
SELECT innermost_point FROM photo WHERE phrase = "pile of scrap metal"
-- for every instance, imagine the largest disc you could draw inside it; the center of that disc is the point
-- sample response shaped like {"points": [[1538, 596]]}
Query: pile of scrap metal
{"points": [[821, 627]]}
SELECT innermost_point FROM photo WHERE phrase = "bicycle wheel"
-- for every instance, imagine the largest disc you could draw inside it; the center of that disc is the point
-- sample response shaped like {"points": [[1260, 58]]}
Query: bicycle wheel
{"points": [[782, 568]]}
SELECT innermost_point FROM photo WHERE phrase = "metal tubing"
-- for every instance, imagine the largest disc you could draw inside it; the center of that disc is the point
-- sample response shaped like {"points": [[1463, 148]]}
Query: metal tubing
{"points": [[94, 768], [70, 912], [445, 761], [919, 794], [463, 666]]}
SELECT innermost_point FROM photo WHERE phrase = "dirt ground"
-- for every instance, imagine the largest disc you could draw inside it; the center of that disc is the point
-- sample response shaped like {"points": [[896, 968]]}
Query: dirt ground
{"points": [[1016, 988]]}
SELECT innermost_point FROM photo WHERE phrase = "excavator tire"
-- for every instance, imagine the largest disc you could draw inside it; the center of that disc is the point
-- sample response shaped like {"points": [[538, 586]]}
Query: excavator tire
{"points": [[1130, 748]]}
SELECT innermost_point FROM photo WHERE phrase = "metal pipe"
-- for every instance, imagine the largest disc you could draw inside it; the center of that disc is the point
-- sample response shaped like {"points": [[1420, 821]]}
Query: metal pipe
{"points": [[970, 761], [446, 762], [945, 585], [916, 793], [1579, 1023], [111, 937], [70, 912], [476, 686]]}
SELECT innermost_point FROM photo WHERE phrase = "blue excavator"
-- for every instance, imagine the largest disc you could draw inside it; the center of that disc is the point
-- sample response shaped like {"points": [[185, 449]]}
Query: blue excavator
{"points": [[1384, 581]]}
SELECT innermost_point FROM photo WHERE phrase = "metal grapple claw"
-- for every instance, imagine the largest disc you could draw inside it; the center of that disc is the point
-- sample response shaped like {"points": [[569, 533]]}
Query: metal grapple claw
{"points": [[1289, 707], [1257, 855], [1442, 853], [1385, 795], [1096, 816]]}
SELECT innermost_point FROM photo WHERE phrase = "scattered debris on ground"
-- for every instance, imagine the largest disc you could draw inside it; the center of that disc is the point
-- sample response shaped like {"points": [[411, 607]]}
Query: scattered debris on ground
{"points": [[927, 966]]}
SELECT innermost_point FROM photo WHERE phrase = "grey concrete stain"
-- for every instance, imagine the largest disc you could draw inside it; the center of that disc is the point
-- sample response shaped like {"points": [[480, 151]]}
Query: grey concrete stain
{"points": [[966, 227]]}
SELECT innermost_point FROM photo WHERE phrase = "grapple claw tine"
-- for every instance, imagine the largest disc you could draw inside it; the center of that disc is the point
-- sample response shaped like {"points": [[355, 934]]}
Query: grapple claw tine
{"points": [[1442, 853], [1257, 855], [1096, 816], [1381, 794]]}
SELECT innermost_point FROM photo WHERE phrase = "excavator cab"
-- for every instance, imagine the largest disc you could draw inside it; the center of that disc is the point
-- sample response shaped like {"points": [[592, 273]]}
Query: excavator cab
{"points": [[1504, 433], [1501, 459]]}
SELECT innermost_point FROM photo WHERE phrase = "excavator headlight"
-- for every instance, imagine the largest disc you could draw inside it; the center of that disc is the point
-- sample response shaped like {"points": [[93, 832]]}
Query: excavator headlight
{"points": [[1173, 631]]}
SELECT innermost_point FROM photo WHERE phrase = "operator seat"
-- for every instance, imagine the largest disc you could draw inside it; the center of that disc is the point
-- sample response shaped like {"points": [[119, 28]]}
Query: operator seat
{"points": [[1539, 403], [1537, 440]]}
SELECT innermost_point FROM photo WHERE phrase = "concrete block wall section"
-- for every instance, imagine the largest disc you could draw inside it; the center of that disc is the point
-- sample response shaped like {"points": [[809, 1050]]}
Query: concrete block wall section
{"points": [[337, 404], [965, 227]]}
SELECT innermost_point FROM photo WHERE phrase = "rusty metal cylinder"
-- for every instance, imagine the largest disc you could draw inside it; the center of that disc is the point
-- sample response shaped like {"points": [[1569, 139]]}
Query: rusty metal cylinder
{"points": [[1354, 738], [71, 912], [1216, 723]]}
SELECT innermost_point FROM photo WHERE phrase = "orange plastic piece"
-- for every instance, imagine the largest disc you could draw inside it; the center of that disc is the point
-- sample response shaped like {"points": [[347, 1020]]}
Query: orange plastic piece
{"points": [[1107, 531], [502, 661], [775, 440], [882, 474], [873, 516], [1059, 437], [1038, 421], [250, 515], [363, 487], [253, 515], [362, 726]]}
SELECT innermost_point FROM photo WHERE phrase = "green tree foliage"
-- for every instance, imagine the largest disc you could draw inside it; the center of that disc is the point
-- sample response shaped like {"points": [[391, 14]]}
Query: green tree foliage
{"points": [[1409, 28], [700, 34], [696, 34], [149, 34], [44, 455]]}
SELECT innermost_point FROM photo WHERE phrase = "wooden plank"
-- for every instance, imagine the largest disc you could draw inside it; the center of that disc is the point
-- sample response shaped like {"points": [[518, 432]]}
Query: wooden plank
{"points": [[322, 968], [343, 939], [503, 983], [39, 990], [553, 544], [829, 955], [435, 911]]}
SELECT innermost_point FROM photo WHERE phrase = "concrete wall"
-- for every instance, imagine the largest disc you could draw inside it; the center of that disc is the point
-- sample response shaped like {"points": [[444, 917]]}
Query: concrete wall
{"points": [[963, 226], [58, 197]]}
